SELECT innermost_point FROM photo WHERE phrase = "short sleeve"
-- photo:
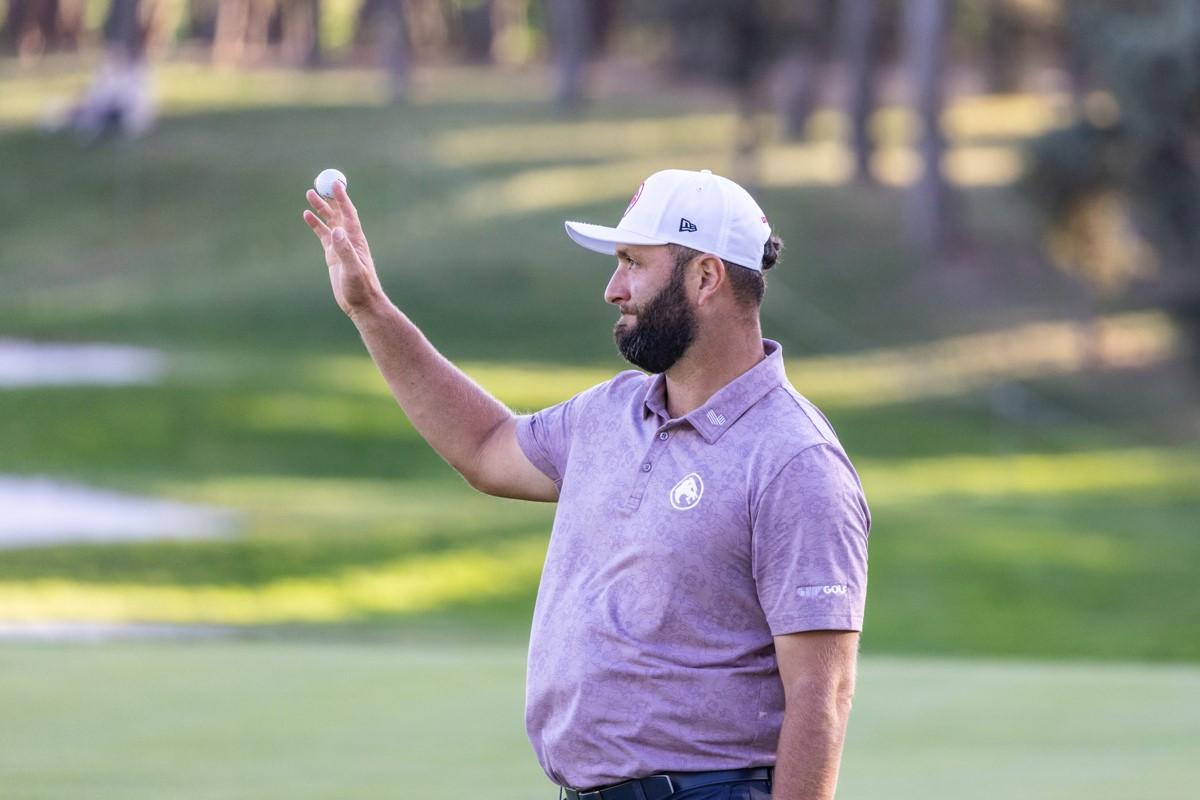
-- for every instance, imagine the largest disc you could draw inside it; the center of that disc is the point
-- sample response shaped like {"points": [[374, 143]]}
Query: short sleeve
{"points": [[810, 530], [545, 437]]}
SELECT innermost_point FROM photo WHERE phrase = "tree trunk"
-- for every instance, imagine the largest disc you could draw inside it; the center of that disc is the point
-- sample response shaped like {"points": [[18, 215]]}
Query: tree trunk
{"points": [[1001, 57], [801, 69], [746, 28], [397, 53], [302, 33], [123, 33], [931, 216], [856, 24], [14, 24], [477, 31], [569, 25], [229, 35]]}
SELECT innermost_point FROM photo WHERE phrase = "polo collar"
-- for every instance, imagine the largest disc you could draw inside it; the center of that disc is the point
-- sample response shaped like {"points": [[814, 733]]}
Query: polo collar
{"points": [[729, 402]]}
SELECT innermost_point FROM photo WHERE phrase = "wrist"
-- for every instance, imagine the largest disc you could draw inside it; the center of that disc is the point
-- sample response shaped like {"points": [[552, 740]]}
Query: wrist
{"points": [[372, 311]]}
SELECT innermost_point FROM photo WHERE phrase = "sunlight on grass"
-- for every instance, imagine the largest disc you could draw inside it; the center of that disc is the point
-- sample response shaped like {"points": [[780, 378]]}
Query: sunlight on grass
{"points": [[524, 387], [967, 121], [513, 144], [879, 377], [1013, 116], [959, 364], [782, 166], [406, 586], [1141, 470], [305, 411], [288, 506], [183, 88]]}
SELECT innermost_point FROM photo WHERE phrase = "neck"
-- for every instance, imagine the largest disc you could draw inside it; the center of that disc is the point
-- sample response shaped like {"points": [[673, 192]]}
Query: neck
{"points": [[710, 364]]}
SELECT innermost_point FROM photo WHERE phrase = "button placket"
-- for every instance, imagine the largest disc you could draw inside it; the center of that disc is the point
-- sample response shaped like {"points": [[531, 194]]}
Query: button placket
{"points": [[646, 468]]}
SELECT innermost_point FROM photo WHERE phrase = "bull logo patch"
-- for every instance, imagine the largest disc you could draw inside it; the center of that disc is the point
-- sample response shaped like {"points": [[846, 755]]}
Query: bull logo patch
{"points": [[687, 493]]}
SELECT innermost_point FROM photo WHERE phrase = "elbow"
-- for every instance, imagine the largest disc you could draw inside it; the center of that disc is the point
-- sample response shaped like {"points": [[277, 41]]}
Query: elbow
{"points": [[480, 482], [830, 701]]}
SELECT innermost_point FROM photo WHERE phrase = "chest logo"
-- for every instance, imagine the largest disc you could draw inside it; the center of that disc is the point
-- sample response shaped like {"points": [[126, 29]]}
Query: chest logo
{"points": [[687, 493]]}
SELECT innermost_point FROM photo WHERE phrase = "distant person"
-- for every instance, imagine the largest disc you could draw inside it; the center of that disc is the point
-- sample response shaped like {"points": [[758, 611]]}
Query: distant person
{"points": [[697, 624]]}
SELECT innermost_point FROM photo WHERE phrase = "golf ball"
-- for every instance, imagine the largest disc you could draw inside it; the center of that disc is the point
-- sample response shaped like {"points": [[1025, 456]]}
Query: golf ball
{"points": [[324, 182]]}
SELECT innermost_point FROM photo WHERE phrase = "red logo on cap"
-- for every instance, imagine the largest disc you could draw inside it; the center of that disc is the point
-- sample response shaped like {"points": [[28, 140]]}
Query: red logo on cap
{"points": [[633, 200]]}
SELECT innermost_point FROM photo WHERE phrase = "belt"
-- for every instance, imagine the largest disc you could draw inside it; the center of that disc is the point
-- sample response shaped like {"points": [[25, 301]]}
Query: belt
{"points": [[662, 786]]}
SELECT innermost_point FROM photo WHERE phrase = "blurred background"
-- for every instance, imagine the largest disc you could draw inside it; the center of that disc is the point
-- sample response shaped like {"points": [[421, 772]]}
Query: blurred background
{"points": [[230, 568]]}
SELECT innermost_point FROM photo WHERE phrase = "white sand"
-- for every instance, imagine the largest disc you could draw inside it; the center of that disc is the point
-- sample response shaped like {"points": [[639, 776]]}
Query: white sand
{"points": [[25, 364], [45, 511], [60, 631]]}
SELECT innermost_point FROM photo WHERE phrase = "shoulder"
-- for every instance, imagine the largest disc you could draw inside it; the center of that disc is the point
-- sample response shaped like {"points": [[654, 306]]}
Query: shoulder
{"points": [[623, 388], [802, 446], [596, 403], [794, 422]]}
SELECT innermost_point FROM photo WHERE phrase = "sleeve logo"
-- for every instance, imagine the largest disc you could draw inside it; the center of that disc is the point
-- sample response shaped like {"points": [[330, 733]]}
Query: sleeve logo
{"points": [[821, 591]]}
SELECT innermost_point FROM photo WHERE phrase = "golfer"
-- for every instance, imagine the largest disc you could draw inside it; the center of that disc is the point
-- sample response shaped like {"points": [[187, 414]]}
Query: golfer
{"points": [[696, 627]]}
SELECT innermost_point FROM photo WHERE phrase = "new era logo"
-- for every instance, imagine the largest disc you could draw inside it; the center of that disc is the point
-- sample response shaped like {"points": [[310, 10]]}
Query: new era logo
{"points": [[714, 417], [686, 226]]}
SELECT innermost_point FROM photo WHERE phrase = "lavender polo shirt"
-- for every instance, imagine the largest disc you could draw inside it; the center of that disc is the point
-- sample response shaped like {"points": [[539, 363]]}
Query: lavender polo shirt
{"points": [[680, 547]]}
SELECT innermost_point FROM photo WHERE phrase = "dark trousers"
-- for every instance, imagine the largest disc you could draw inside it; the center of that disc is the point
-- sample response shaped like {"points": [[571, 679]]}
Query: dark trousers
{"points": [[744, 790]]}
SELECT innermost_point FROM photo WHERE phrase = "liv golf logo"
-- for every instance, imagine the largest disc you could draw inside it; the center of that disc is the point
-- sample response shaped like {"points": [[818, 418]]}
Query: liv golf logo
{"points": [[821, 591]]}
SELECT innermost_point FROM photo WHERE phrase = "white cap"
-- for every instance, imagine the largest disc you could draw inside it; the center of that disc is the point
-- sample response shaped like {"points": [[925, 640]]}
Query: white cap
{"points": [[696, 209]]}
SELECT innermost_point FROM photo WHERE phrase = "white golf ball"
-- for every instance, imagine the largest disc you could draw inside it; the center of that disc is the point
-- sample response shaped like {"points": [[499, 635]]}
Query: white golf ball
{"points": [[324, 182]]}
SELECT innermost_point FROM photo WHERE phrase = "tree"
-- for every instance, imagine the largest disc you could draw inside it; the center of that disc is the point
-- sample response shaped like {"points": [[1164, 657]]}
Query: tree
{"points": [[856, 25], [1119, 191], [932, 221], [570, 32]]}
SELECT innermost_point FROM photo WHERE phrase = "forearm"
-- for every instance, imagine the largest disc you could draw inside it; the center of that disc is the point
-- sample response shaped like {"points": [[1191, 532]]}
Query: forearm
{"points": [[452, 412], [810, 747]]}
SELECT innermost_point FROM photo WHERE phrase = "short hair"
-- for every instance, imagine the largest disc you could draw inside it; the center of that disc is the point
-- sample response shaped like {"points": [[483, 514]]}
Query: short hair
{"points": [[748, 284]]}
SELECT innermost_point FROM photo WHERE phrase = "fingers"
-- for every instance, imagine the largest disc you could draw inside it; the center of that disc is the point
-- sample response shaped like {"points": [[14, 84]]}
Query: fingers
{"points": [[318, 225], [323, 208], [345, 251], [349, 214]]}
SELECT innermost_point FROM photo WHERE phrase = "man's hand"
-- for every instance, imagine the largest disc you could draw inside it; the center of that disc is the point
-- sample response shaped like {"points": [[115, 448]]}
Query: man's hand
{"points": [[351, 269], [472, 430]]}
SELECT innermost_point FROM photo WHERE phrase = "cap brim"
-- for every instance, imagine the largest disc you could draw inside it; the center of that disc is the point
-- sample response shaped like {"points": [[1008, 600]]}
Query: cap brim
{"points": [[600, 239]]}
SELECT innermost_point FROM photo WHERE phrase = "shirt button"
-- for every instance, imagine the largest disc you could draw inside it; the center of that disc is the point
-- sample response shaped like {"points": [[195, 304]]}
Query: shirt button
{"points": [[664, 436], [646, 467]]}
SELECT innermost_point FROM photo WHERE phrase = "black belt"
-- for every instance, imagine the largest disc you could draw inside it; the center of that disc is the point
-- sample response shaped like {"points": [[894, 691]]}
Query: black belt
{"points": [[659, 787]]}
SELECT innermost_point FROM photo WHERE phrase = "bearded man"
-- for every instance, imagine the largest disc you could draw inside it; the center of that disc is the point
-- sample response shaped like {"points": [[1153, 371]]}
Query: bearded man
{"points": [[697, 622]]}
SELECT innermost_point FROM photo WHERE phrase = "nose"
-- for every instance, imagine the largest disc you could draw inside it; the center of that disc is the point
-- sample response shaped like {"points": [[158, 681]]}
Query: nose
{"points": [[617, 291]]}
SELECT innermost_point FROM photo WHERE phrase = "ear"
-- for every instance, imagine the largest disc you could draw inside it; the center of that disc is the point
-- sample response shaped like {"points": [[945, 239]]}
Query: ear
{"points": [[711, 271]]}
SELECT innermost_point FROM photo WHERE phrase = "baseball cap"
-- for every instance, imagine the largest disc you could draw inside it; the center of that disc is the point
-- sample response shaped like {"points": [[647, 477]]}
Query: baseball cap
{"points": [[700, 210]]}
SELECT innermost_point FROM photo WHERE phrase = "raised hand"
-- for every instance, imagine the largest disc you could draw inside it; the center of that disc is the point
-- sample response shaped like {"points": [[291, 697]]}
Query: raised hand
{"points": [[351, 269]]}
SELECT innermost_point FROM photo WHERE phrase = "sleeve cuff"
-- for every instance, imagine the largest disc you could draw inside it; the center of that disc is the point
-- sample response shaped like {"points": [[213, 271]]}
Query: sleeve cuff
{"points": [[831, 622], [533, 451]]}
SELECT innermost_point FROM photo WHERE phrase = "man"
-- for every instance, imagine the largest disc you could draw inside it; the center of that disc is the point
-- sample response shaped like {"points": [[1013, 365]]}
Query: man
{"points": [[698, 615]]}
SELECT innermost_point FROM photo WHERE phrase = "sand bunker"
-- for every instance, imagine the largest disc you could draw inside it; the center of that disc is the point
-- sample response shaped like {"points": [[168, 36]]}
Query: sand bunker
{"points": [[45, 511], [27, 364]]}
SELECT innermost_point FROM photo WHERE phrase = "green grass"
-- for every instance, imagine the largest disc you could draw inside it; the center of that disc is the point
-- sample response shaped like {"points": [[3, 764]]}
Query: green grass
{"points": [[306, 720], [1063, 528]]}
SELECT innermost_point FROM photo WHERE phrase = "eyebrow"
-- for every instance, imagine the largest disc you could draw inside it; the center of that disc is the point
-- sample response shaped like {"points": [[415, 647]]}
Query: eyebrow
{"points": [[625, 254]]}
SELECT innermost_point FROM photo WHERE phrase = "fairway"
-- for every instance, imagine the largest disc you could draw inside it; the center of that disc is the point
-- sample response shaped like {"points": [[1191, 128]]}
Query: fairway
{"points": [[302, 720], [1029, 454]]}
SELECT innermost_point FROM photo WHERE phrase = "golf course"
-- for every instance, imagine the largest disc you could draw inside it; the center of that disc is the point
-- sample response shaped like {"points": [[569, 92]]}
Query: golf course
{"points": [[1029, 449]]}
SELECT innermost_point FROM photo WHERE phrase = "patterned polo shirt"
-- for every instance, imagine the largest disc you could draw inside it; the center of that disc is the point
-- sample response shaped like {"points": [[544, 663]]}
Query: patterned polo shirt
{"points": [[680, 548]]}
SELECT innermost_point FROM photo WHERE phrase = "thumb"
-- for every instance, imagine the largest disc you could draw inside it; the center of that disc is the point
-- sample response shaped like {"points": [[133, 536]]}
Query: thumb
{"points": [[345, 251]]}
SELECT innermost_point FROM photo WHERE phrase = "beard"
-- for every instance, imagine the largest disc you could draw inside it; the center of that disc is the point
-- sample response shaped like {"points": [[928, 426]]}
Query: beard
{"points": [[664, 330]]}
